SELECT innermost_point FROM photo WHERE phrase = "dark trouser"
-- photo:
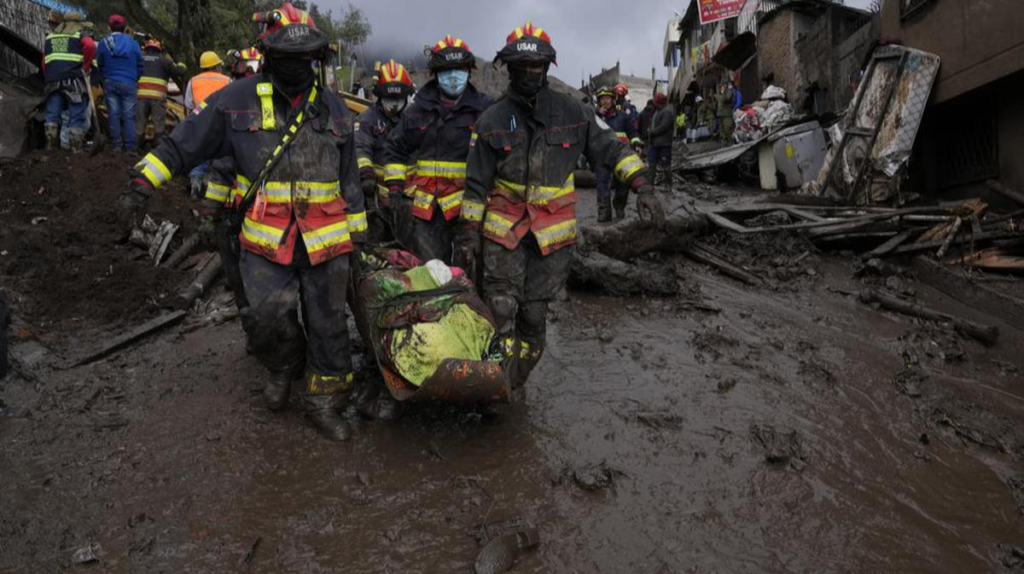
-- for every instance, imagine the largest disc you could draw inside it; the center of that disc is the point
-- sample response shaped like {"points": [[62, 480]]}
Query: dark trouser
{"points": [[659, 161], [433, 239], [121, 100], [725, 128], [379, 220], [518, 285], [147, 109], [402, 221], [272, 319], [606, 182]]}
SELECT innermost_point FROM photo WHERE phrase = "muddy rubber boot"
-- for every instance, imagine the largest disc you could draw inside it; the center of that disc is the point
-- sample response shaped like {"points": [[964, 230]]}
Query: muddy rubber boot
{"points": [[52, 137], [277, 390], [604, 212], [389, 409], [76, 140], [620, 213], [322, 411]]}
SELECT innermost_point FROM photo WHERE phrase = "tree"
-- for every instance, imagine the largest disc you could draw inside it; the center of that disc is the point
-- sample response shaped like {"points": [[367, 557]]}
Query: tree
{"points": [[189, 27]]}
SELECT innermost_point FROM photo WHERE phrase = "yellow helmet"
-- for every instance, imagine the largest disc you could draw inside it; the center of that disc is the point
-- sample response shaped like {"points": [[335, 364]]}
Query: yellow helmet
{"points": [[209, 60]]}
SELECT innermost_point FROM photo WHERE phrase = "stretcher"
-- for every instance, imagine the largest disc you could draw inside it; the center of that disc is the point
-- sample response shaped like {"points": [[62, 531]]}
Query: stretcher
{"points": [[399, 323]]}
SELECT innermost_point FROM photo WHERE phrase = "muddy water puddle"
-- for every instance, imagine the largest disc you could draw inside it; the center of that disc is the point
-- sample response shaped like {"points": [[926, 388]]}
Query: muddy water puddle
{"points": [[767, 437]]}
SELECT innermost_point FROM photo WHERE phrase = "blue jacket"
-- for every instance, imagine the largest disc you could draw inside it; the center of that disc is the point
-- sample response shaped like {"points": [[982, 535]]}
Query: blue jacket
{"points": [[120, 58]]}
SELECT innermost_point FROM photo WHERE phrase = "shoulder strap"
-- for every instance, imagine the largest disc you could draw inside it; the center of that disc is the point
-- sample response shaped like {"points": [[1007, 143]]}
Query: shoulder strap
{"points": [[265, 89]]}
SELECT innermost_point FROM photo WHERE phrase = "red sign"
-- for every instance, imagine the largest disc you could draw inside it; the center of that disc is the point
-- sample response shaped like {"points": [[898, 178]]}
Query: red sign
{"points": [[715, 10]]}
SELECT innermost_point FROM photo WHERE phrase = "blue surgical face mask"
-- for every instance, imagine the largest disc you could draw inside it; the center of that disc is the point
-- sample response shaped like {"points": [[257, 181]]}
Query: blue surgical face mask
{"points": [[453, 82]]}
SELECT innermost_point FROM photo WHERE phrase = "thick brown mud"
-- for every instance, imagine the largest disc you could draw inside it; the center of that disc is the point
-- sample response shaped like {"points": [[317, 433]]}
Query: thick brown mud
{"points": [[731, 429]]}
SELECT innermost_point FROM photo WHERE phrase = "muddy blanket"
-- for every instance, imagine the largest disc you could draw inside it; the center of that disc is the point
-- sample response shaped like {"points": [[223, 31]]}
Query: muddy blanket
{"points": [[424, 314]]}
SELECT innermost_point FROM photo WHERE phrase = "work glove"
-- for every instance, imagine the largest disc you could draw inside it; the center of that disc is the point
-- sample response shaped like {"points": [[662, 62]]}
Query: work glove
{"points": [[649, 206], [467, 249], [399, 200], [369, 188], [132, 201], [208, 230]]}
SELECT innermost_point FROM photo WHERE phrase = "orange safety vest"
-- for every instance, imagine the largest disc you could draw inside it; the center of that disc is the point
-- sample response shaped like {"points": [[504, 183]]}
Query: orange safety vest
{"points": [[204, 85]]}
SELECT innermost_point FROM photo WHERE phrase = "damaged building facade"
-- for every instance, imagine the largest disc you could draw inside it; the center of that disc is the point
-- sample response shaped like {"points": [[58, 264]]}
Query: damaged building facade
{"points": [[973, 129], [814, 49]]}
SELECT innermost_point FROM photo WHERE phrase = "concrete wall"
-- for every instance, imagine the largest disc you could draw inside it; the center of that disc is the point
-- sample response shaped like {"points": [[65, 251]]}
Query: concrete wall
{"points": [[775, 52], [1011, 131], [979, 41], [29, 21]]}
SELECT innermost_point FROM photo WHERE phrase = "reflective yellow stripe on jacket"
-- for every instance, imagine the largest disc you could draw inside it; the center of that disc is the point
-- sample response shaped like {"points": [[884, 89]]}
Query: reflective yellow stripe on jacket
{"points": [[539, 194]]}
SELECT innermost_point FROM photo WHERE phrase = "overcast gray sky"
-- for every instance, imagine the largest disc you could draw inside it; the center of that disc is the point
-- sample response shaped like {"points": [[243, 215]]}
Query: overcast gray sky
{"points": [[588, 34]]}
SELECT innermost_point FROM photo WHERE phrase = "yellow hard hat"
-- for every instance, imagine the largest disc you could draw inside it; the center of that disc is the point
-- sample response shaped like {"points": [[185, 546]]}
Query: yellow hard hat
{"points": [[209, 60]]}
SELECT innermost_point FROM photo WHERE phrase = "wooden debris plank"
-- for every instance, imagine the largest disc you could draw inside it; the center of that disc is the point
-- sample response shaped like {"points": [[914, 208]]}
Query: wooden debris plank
{"points": [[132, 336], [953, 230], [889, 245], [708, 257], [918, 247], [1001, 189], [987, 334]]}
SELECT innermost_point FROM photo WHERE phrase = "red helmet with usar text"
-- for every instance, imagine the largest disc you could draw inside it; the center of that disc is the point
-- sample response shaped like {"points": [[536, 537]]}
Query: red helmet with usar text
{"points": [[393, 81], [450, 53], [528, 45], [289, 30]]}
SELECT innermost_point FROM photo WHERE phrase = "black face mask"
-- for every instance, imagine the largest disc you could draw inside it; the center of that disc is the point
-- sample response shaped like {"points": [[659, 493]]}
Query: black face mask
{"points": [[293, 75], [526, 83]]}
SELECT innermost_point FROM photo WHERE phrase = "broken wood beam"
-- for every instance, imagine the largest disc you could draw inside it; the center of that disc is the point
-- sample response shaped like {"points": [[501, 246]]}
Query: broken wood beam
{"points": [[130, 337], [708, 257], [190, 243], [1001, 189], [596, 270], [918, 247], [986, 334], [632, 238], [889, 245], [953, 230], [201, 283]]}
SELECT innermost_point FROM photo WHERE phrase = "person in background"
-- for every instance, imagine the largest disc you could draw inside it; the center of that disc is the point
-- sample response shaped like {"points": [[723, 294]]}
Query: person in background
{"points": [[723, 112], [120, 58], [67, 58], [157, 71], [659, 154], [199, 88], [619, 122], [644, 123]]}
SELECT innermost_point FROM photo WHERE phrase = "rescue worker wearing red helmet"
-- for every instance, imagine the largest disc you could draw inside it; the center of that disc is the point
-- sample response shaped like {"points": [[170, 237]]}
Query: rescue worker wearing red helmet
{"points": [[292, 145], [520, 195], [425, 156], [158, 69], [622, 103], [622, 125], [247, 62], [393, 88]]}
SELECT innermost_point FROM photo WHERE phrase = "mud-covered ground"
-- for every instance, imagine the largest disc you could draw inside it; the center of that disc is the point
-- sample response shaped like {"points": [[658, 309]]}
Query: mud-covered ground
{"points": [[779, 428]]}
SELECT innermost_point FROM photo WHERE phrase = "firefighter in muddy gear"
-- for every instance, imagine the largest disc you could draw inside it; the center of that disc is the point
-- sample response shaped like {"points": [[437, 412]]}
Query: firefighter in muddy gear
{"points": [[392, 89], [67, 57], [623, 104], [425, 155], [519, 215], [157, 71], [291, 145], [619, 122]]}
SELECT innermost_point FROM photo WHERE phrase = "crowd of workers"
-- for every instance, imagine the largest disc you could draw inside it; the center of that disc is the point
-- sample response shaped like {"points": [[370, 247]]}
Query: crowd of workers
{"points": [[135, 81], [484, 185]]}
